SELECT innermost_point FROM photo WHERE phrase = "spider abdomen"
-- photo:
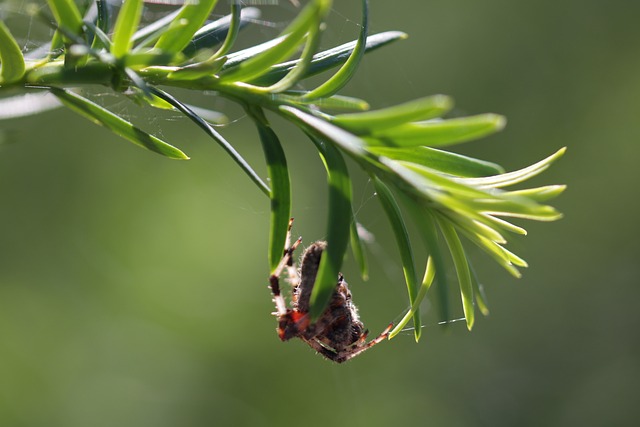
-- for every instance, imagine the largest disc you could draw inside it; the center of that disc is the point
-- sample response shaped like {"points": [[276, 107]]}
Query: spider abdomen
{"points": [[308, 272]]}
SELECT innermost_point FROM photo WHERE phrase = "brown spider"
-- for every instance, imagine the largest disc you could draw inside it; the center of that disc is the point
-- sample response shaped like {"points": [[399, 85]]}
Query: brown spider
{"points": [[338, 334]]}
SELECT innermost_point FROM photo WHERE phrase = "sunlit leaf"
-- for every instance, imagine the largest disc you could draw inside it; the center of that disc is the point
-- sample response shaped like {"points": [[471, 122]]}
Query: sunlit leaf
{"points": [[223, 30], [332, 85], [285, 46], [434, 184], [236, 58], [426, 223], [515, 177], [233, 29], [517, 209], [191, 17], [116, 124], [503, 224], [419, 109], [321, 61], [336, 102], [11, 59], [126, 25], [494, 250], [429, 275], [462, 270], [539, 194], [438, 133], [296, 73], [199, 70], [476, 224], [471, 198], [67, 15], [399, 228], [439, 160]]}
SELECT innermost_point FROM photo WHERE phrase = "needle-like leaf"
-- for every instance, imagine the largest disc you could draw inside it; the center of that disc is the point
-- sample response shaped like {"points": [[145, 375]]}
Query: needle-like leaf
{"points": [[419, 109], [285, 46], [293, 76], [540, 194], [515, 177], [223, 30], [439, 133], [439, 160], [429, 275], [234, 28], [394, 215], [335, 102], [11, 59], [191, 17], [116, 124], [67, 15], [429, 234], [126, 25], [332, 85], [339, 223], [322, 61], [280, 186], [462, 269]]}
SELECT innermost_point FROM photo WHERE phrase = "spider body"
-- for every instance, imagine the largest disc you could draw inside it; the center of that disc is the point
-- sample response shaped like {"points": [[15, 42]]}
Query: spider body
{"points": [[338, 334]]}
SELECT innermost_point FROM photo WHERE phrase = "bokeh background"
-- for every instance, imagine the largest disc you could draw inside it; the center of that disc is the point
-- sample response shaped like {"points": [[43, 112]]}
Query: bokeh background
{"points": [[133, 288]]}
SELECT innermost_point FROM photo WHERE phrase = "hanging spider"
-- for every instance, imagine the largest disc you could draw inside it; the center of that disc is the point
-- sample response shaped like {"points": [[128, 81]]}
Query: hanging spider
{"points": [[338, 334]]}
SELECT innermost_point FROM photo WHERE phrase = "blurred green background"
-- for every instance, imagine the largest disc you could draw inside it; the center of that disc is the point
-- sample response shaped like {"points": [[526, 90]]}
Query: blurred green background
{"points": [[133, 288]]}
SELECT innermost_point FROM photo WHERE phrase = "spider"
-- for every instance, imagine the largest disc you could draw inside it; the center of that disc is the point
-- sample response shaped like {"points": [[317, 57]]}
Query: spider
{"points": [[338, 334]]}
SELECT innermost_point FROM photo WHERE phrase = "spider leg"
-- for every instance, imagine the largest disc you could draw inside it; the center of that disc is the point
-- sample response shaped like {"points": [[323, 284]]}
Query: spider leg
{"points": [[274, 281], [286, 261], [324, 351], [362, 339], [352, 352], [287, 239], [292, 272]]}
